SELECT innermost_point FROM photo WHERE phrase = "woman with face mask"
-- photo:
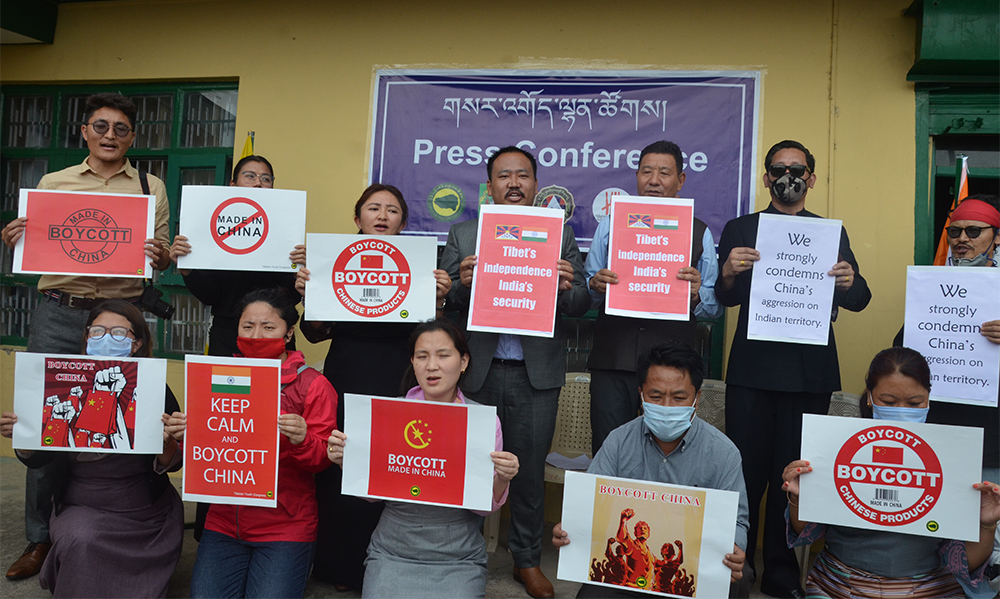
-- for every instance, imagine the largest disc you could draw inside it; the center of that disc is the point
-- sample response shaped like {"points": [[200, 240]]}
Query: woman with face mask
{"points": [[118, 523], [249, 551], [425, 550], [370, 359], [866, 563]]}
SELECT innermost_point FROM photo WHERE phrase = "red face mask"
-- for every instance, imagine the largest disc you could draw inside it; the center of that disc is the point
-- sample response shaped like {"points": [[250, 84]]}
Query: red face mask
{"points": [[261, 348]]}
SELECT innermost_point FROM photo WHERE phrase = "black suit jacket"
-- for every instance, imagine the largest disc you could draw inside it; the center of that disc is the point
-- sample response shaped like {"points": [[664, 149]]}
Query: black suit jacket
{"points": [[777, 366]]}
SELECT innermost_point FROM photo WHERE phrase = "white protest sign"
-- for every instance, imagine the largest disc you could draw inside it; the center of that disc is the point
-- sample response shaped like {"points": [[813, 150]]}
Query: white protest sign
{"points": [[945, 307], [791, 296], [89, 403], [388, 278], [419, 451], [241, 228], [892, 476], [601, 513]]}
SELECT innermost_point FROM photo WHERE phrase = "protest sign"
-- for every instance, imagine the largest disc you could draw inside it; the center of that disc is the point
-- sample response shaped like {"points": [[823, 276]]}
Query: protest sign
{"points": [[231, 441], [516, 282], [650, 242], [79, 233], [791, 295], [364, 278], [89, 403], [945, 308], [241, 228], [905, 477], [419, 451], [688, 533]]}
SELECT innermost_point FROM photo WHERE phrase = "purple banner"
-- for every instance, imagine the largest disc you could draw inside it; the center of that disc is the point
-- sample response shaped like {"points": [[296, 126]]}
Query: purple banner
{"points": [[433, 132]]}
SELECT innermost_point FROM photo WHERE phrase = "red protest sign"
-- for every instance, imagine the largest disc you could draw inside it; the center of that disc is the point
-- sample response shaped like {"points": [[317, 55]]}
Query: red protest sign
{"points": [[77, 233], [650, 242], [371, 278], [239, 225], [231, 441], [87, 403], [516, 282], [418, 452]]}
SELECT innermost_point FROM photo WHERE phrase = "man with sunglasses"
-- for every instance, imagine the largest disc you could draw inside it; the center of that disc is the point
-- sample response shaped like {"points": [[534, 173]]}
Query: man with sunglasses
{"points": [[57, 324], [770, 385]]}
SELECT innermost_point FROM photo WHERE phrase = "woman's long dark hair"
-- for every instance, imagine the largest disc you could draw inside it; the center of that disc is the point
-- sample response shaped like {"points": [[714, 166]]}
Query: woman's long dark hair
{"points": [[438, 324], [136, 322], [375, 188]]}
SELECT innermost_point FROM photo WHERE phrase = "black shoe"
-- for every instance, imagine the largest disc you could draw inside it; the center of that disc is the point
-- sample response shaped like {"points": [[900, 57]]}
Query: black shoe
{"points": [[773, 591]]}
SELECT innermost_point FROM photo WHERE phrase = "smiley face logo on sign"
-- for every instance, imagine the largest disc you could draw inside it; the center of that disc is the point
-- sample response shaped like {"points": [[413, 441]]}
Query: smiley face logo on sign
{"points": [[89, 236], [888, 476], [239, 225], [371, 278]]}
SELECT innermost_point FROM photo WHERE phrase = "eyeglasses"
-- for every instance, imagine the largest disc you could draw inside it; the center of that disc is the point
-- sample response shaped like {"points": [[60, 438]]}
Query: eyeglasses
{"points": [[797, 170], [955, 231], [251, 178], [101, 127], [117, 333]]}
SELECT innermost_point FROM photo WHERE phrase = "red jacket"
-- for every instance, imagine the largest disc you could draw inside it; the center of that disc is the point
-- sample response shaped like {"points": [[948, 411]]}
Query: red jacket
{"points": [[310, 395]]}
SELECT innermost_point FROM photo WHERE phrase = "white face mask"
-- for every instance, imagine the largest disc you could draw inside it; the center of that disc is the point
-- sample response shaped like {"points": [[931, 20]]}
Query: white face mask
{"points": [[667, 423]]}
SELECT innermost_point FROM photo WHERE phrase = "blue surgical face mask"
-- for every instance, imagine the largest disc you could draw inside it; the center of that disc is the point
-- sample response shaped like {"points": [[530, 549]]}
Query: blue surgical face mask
{"points": [[667, 423], [109, 346], [897, 413]]}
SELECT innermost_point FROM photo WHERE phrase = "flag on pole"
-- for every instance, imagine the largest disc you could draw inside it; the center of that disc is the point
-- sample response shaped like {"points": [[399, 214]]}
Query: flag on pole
{"points": [[247, 147], [961, 192]]}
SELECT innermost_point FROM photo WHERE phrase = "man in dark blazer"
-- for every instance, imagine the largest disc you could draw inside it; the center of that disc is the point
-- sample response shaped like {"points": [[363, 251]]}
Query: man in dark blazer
{"points": [[520, 375], [770, 385]]}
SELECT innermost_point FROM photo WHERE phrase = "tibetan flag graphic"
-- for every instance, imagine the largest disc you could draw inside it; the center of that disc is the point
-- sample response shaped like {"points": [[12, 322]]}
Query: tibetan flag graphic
{"points": [[887, 455], [510, 232], [368, 261], [231, 379], [670, 223], [640, 221], [534, 235]]}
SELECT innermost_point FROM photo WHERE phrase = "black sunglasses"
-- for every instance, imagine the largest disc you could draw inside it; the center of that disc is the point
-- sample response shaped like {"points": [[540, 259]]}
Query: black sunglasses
{"points": [[797, 170], [973, 232]]}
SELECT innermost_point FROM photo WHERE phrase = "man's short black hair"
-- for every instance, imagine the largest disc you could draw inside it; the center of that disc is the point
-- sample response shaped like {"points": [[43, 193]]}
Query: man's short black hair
{"points": [[784, 145], [110, 100], [665, 147], [508, 150], [672, 355]]}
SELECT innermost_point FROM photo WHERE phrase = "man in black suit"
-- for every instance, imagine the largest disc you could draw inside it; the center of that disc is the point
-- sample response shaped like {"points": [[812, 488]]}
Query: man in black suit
{"points": [[770, 385], [520, 375]]}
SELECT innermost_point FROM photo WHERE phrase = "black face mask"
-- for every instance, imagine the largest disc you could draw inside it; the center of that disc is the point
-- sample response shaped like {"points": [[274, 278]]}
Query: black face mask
{"points": [[788, 189]]}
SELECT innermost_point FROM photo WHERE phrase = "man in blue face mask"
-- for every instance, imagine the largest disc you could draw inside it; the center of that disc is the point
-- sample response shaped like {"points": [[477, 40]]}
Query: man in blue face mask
{"points": [[670, 444]]}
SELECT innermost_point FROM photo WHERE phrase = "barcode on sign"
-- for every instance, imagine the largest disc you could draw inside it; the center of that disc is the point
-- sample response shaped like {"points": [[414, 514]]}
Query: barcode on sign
{"points": [[370, 292], [887, 494]]}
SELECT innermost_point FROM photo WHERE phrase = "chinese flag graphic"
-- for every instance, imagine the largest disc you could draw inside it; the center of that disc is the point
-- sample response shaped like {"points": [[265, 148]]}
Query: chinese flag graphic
{"points": [[56, 433], [97, 412], [887, 455], [371, 261]]}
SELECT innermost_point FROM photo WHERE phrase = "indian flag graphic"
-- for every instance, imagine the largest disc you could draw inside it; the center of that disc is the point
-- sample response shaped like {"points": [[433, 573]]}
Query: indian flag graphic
{"points": [[666, 222], [534, 235], [231, 379]]}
